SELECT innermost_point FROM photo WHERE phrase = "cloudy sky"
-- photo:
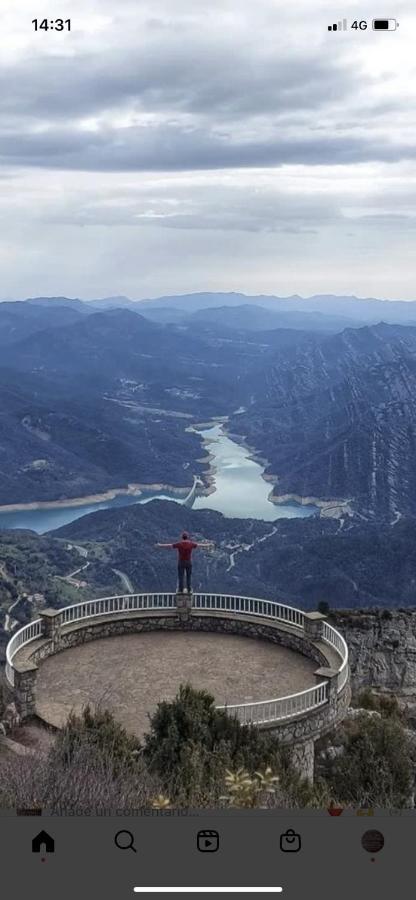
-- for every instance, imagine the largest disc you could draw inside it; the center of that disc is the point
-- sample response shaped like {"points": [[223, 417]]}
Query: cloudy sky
{"points": [[168, 146]]}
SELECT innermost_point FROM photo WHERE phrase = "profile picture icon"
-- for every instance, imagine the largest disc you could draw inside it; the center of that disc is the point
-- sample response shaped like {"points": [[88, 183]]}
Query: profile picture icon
{"points": [[372, 841]]}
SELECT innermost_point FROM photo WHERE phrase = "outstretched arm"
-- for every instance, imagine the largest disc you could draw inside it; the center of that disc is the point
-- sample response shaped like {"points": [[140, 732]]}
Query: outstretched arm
{"points": [[206, 543], [163, 545]]}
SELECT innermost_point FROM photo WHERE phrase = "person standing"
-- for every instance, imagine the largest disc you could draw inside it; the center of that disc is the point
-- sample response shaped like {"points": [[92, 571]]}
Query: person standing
{"points": [[185, 547]]}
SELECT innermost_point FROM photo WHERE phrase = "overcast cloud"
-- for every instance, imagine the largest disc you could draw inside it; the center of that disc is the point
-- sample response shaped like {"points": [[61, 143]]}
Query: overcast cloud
{"points": [[166, 146]]}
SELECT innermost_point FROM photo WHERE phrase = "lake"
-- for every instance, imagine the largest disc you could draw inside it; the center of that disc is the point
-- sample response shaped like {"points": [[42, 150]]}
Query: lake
{"points": [[240, 491]]}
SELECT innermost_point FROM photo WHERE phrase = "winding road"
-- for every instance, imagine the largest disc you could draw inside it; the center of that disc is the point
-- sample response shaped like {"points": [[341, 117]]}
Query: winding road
{"points": [[247, 547], [10, 623]]}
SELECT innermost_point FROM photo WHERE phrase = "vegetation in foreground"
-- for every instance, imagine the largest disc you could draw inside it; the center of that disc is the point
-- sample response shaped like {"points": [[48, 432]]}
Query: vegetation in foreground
{"points": [[194, 756]]}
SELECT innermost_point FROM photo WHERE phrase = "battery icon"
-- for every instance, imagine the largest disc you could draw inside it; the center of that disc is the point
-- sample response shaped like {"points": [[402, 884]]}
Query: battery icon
{"points": [[385, 24]]}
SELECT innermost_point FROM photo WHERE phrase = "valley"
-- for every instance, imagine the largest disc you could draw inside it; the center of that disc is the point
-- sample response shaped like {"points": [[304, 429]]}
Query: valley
{"points": [[333, 415], [231, 472], [100, 416]]}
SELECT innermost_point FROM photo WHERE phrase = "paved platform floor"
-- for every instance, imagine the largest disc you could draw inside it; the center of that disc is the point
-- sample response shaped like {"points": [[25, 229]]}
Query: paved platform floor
{"points": [[132, 673]]}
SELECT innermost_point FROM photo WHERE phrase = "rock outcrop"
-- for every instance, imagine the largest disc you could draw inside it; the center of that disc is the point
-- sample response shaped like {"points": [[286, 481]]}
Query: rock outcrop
{"points": [[382, 645], [336, 419]]}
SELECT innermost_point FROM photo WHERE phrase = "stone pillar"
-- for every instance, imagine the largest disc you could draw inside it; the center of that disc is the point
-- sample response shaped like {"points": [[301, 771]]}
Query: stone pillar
{"points": [[314, 625], [183, 606], [51, 627], [303, 759], [331, 676], [24, 689]]}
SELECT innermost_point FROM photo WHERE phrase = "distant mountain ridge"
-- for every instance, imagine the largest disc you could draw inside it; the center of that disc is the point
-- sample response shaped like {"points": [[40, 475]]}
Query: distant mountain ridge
{"points": [[370, 310], [50, 302], [258, 318], [365, 310], [21, 320]]}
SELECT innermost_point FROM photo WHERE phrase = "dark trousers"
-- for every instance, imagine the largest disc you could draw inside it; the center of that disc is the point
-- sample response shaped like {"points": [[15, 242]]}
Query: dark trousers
{"points": [[182, 568]]}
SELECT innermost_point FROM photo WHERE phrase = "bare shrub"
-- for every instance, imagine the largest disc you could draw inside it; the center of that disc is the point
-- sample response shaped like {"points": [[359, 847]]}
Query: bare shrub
{"points": [[92, 783]]}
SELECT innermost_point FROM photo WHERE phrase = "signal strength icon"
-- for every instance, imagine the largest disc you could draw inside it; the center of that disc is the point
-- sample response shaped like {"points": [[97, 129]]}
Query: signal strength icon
{"points": [[338, 26]]}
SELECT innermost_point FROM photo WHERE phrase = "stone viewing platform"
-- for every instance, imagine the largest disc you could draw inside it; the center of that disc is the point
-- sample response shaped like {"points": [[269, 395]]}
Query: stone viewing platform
{"points": [[277, 667]]}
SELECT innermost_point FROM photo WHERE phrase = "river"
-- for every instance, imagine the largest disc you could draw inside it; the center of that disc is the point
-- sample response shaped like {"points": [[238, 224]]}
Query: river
{"points": [[240, 491]]}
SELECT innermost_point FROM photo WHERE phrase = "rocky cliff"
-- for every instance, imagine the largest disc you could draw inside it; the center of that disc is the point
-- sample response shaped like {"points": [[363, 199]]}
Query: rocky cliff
{"points": [[382, 645], [337, 419]]}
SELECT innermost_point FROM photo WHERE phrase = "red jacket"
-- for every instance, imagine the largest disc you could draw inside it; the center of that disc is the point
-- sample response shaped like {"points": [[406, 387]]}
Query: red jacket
{"points": [[184, 549]]}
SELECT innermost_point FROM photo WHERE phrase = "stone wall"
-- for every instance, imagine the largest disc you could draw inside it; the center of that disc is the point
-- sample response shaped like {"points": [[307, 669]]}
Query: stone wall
{"points": [[169, 621], [316, 723]]}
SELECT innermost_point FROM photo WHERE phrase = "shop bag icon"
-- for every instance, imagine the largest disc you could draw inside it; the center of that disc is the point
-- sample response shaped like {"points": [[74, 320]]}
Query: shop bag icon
{"points": [[290, 842]]}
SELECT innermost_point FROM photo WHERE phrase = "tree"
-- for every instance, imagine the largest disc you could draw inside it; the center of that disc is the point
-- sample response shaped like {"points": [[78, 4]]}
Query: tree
{"points": [[191, 746]]}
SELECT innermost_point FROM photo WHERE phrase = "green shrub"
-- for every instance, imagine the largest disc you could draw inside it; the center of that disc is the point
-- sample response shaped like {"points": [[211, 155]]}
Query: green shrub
{"points": [[376, 768], [191, 746], [98, 730], [385, 704]]}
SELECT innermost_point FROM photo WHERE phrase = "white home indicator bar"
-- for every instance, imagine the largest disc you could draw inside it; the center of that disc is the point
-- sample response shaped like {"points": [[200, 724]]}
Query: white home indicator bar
{"points": [[208, 890]]}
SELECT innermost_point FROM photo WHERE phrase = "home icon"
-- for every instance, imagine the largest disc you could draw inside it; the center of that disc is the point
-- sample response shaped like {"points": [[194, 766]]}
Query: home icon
{"points": [[43, 841]]}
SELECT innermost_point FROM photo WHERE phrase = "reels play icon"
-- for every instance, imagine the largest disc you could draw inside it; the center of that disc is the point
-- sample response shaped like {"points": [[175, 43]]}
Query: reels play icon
{"points": [[208, 841]]}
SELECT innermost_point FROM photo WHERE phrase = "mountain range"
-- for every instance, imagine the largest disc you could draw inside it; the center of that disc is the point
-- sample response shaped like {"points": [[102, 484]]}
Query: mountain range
{"points": [[343, 310], [337, 418], [95, 398]]}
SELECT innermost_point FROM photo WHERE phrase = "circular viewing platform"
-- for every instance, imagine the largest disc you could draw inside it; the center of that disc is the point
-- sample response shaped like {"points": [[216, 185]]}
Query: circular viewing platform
{"points": [[265, 663], [131, 673]]}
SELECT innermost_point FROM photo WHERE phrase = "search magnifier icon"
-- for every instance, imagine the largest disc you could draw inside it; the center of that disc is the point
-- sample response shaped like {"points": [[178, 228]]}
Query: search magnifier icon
{"points": [[124, 840]]}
